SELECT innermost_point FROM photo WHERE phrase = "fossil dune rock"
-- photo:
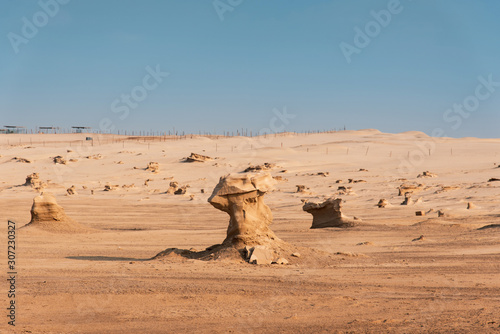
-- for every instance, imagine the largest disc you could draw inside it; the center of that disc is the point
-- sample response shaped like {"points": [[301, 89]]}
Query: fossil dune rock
{"points": [[194, 157], [329, 214], [46, 214], [248, 235], [153, 167], [33, 180], [242, 198]]}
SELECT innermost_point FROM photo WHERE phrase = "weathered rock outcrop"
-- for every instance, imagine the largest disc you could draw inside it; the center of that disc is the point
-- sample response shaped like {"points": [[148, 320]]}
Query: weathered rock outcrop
{"points": [[329, 214], [242, 197], [59, 160], [48, 215], [258, 168], [194, 157], [33, 180], [153, 167]]}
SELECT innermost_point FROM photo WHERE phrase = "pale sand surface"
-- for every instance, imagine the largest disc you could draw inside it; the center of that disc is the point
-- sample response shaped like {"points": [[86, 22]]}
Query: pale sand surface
{"points": [[103, 282]]}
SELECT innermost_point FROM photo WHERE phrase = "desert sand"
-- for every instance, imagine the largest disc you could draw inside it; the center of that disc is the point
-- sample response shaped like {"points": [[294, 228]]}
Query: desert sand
{"points": [[431, 265]]}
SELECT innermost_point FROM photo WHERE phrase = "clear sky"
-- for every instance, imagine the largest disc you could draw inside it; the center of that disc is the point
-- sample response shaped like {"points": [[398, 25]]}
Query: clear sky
{"points": [[230, 63]]}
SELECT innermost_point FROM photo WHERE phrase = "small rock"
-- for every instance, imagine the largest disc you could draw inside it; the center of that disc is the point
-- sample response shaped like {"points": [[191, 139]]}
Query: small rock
{"points": [[296, 254]]}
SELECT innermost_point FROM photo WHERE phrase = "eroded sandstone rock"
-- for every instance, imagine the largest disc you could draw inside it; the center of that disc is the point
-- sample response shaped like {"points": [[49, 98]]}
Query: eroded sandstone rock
{"points": [[329, 214]]}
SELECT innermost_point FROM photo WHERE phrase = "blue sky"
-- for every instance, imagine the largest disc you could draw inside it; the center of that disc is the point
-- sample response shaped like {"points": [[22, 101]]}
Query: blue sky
{"points": [[264, 55]]}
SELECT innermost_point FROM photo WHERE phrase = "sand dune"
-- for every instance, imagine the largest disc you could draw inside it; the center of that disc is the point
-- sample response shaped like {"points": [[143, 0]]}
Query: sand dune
{"points": [[394, 272]]}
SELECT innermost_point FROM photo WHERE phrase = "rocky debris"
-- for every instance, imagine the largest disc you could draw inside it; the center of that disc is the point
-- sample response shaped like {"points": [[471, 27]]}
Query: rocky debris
{"points": [[132, 185], [411, 188], [73, 160], [419, 238], [197, 158], [33, 181], [426, 174], [59, 160], [71, 190], [191, 197], [23, 160], [356, 181], [260, 255], [324, 174], [383, 203], [363, 170], [329, 214], [446, 188], [280, 178], [202, 191], [420, 213], [442, 213], [120, 162], [48, 215], [296, 254], [302, 189], [181, 190], [258, 168], [146, 183], [407, 200], [153, 167], [241, 197], [173, 187], [111, 187], [338, 181], [69, 151], [342, 190], [365, 243], [95, 156], [280, 260], [471, 206], [493, 179]]}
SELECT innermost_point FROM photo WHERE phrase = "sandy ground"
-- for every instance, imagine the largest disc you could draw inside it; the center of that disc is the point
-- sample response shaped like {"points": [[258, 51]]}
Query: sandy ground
{"points": [[376, 279]]}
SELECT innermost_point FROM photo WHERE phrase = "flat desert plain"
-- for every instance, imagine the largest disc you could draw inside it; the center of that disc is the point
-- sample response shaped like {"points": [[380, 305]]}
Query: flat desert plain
{"points": [[393, 272]]}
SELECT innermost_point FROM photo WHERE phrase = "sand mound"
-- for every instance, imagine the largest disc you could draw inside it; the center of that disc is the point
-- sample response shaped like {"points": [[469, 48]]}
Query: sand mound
{"points": [[47, 215], [329, 214]]}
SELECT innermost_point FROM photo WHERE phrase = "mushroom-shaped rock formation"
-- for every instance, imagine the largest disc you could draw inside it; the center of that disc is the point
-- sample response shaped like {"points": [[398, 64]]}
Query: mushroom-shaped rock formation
{"points": [[48, 215], [242, 197], [329, 214]]}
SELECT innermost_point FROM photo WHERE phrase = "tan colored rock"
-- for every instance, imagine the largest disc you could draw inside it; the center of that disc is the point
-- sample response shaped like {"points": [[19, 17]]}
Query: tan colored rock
{"points": [[71, 190], [258, 168], [59, 160], [419, 213], [383, 203], [33, 181], [48, 215], [95, 156], [110, 187], [329, 214], [242, 198], [197, 158], [261, 255], [23, 160], [411, 188], [173, 187], [302, 188], [153, 167], [471, 206], [407, 200], [426, 174]]}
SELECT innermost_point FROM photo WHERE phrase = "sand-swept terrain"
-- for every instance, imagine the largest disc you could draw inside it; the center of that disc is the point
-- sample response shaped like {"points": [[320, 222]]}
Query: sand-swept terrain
{"points": [[431, 265]]}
